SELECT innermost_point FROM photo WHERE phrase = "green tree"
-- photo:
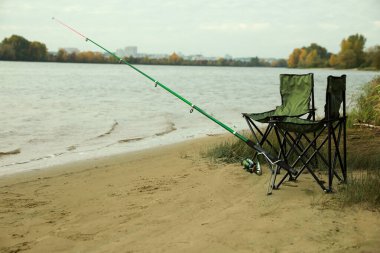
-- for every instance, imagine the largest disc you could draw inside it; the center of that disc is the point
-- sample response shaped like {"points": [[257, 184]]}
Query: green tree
{"points": [[7, 52], [19, 45], [254, 62], [373, 57], [220, 61], [20, 49], [321, 51], [61, 55], [37, 51], [281, 63], [72, 57]]}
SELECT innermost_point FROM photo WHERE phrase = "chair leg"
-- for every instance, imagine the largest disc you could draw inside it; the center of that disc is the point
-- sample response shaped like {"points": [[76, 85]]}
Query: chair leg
{"points": [[301, 155], [330, 170], [274, 168], [344, 169], [337, 153]]}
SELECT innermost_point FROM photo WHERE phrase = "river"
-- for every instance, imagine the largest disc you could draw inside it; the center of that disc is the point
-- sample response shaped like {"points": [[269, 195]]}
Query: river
{"points": [[54, 113]]}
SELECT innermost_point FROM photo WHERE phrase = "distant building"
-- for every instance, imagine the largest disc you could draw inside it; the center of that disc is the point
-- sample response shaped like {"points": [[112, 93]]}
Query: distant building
{"points": [[228, 57], [127, 52], [244, 59], [197, 57], [270, 60], [131, 51], [71, 50]]}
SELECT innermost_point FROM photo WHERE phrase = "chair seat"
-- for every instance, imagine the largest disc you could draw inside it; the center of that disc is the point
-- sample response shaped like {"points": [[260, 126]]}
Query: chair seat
{"points": [[262, 117], [278, 114], [299, 125]]}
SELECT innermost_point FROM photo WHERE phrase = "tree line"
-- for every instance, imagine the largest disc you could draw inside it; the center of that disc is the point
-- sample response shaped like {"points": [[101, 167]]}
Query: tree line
{"points": [[17, 48], [351, 55], [175, 59]]}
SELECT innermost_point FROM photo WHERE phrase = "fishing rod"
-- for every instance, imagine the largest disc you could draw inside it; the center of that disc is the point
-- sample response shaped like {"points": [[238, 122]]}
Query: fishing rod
{"points": [[271, 159]]}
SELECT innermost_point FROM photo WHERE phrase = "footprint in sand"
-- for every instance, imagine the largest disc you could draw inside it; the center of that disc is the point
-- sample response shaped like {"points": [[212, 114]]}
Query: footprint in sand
{"points": [[81, 237], [17, 247]]}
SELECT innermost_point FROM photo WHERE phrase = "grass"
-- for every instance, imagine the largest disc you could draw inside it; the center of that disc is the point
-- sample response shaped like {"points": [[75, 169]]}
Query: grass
{"points": [[366, 108], [229, 151], [363, 162], [233, 150], [362, 188], [363, 149]]}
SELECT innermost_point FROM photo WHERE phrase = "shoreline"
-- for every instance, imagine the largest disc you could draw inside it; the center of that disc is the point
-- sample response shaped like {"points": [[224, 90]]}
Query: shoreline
{"points": [[170, 199], [105, 159], [53, 160]]}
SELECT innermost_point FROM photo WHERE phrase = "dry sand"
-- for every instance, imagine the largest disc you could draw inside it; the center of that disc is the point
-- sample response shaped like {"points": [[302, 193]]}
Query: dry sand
{"points": [[170, 199]]}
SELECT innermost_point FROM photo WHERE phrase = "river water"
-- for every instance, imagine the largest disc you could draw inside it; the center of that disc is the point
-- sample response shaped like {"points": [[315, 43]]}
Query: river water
{"points": [[54, 113]]}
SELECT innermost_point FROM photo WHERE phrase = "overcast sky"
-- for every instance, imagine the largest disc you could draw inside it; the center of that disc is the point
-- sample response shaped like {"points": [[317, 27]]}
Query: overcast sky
{"points": [[241, 28]]}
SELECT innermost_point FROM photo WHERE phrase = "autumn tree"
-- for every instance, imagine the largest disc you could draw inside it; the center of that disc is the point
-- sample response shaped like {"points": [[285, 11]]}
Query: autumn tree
{"points": [[313, 56], [351, 53], [294, 58], [302, 58], [312, 59], [333, 61], [174, 58]]}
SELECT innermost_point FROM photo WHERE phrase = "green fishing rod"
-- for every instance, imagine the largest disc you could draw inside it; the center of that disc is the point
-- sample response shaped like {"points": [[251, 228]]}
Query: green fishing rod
{"points": [[271, 159]]}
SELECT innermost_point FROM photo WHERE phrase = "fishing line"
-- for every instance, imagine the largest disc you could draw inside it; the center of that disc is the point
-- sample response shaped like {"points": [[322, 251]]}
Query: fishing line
{"points": [[271, 159], [72, 29]]}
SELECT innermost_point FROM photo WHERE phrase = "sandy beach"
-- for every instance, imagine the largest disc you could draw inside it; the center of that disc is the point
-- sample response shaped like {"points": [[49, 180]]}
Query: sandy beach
{"points": [[170, 199]]}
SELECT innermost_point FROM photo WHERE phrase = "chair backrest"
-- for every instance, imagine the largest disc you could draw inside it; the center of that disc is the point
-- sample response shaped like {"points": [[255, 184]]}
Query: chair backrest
{"points": [[335, 96], [297, 92]]}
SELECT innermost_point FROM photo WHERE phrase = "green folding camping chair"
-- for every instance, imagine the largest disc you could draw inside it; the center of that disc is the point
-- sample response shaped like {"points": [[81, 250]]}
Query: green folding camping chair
{"points": [[307, 139], [297, 95]]}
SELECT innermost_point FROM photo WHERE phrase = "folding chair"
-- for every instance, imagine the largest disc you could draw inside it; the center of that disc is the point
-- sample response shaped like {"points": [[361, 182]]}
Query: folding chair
{"points": [[297, 95], [306, 139]]}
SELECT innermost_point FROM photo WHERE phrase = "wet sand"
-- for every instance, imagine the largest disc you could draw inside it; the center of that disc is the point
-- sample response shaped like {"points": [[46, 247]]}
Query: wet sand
{"points": [[170, 199]]}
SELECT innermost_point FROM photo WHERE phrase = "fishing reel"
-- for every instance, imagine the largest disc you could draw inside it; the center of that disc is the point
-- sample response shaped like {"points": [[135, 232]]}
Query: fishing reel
{"points": [[251, 166]]}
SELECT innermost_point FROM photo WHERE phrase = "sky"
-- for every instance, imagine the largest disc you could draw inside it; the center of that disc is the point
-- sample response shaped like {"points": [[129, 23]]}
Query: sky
{"points": [[240, 28]]}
